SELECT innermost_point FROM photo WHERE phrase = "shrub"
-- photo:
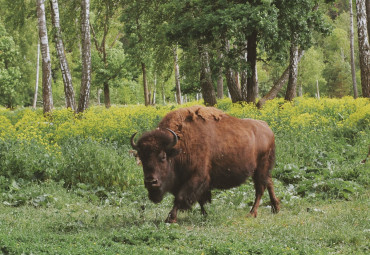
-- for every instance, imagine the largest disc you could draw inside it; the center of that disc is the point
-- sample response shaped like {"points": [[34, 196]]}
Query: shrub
{"points": [[28, 160], [98, 164]]}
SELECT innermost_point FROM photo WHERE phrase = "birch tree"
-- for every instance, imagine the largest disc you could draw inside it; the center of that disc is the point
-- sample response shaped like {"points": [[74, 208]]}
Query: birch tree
{"points": [[46, 61], [37, 76], [364, 48], [177, 76], [368, 16], [66, 74], [353, 70], [291, 91], [86, 56]]}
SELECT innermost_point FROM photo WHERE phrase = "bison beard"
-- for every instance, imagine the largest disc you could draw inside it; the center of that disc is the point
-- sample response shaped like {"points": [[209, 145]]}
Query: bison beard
{"points": [[197, 149]]}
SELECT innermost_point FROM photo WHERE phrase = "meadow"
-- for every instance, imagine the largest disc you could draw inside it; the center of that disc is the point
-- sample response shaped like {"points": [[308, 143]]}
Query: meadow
{"points": [[69, 185]]}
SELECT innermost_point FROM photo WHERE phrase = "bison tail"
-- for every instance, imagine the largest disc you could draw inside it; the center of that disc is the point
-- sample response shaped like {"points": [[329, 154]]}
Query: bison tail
{"points": [[271, 158]]}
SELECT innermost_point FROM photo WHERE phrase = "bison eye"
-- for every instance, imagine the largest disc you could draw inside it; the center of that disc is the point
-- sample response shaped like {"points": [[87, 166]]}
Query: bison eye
{"points": [[162, 156]]}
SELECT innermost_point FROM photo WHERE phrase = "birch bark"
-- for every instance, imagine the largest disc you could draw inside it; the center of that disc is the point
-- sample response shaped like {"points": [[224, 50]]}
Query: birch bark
{"points": [[47, 95], [37, 76], [86, 56], [353, 70], [177, 76], [364, 48], [66, 74], [291, 91]]}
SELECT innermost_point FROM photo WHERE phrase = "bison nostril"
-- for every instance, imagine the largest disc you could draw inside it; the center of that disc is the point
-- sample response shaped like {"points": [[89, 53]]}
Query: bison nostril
{"points": [[151, 181]]}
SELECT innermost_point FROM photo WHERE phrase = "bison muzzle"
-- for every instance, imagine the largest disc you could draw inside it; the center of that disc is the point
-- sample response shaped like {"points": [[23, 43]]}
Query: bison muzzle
{"points": [[197, 149]]}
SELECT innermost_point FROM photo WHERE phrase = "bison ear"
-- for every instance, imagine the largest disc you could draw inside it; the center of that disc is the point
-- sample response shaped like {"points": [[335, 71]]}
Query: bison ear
{"points": [[173, 152]]}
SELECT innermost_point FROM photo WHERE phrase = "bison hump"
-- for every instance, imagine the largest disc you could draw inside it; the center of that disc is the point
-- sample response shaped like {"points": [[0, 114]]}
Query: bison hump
{"points": [[175, 119]]}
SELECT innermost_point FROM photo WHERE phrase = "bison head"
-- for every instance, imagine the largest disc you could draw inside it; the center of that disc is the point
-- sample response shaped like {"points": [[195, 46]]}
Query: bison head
{"points": [[156, 151]]}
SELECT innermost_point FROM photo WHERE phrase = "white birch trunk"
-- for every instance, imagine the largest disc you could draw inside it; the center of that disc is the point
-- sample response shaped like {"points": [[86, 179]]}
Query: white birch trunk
{"points": [[86, 56], [353, 70], [177, 76], [66, 74], [291, 91], [364, 48], [46, 61], [317, 89], [37, 76]]}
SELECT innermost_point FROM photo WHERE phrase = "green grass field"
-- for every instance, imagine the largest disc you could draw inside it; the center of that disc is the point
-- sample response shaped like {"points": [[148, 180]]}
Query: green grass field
{"points": [[68, 223]]}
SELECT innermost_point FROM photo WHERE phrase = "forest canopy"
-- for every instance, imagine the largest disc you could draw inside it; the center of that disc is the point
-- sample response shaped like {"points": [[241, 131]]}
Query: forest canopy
{"points": [[155, 52]]}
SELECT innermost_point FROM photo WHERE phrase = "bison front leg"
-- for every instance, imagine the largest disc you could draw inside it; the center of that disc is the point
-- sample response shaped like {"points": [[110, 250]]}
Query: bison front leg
{"points": [[205, 198], [195, 189], [172, 216]]}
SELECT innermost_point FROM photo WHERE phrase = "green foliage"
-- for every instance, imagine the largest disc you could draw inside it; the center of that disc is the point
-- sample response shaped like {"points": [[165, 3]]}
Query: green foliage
{"points": [[96, 164], [311, 70], [27, 160], [11, 83]]}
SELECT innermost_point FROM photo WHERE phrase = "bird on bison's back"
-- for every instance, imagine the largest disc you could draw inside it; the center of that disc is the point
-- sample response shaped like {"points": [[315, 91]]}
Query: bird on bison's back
{"points": [[196, 149]]}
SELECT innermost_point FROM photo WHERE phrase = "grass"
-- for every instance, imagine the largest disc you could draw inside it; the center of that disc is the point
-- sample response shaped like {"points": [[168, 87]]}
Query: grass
{"points": [[70, 223]]}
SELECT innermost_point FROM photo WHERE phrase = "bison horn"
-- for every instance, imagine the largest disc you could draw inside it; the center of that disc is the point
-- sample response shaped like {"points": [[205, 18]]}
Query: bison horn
{"points": [[134, 146], [174, 140]]}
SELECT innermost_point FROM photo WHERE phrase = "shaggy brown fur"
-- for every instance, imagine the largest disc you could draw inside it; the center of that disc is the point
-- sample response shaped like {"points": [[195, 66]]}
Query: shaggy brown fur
{"points": [[214, 151]]}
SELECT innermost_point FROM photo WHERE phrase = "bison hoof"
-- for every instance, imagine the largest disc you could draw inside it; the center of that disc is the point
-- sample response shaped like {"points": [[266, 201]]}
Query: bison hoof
{"points": [[275, 210], [252, 215], [170, 220]]}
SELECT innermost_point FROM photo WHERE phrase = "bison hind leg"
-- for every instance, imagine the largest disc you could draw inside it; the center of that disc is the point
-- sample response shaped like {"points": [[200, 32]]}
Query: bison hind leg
{"points": [[262, 180], [275, 203]]}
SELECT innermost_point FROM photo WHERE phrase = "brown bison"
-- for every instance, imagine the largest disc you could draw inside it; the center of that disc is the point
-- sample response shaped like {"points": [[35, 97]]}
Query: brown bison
{"points": [[197, 149]]}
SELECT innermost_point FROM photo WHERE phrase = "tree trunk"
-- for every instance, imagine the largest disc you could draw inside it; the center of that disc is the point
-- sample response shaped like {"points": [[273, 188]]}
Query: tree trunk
{"points": [[220, 81], [317, 90], [278, 85], [368, 16], [86, 56], [37, 76], [244, 73], [154, 90], [234, 91], [98, 95], [220, 86], [106, 95], [145, 84], [66, 74], [163, 94], [103, 52], [291, 90], [177, 76], [206, 85], [46, 61], [252, 85], [353, 70], [364, 48]]}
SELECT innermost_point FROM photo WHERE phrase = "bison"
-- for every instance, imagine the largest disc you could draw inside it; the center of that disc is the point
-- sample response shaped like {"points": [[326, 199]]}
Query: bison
{"points": [[197, 149]]}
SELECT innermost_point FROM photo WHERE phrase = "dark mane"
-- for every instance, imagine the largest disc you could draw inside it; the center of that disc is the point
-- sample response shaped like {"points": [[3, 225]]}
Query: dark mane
{"points": [[155, 140]]}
